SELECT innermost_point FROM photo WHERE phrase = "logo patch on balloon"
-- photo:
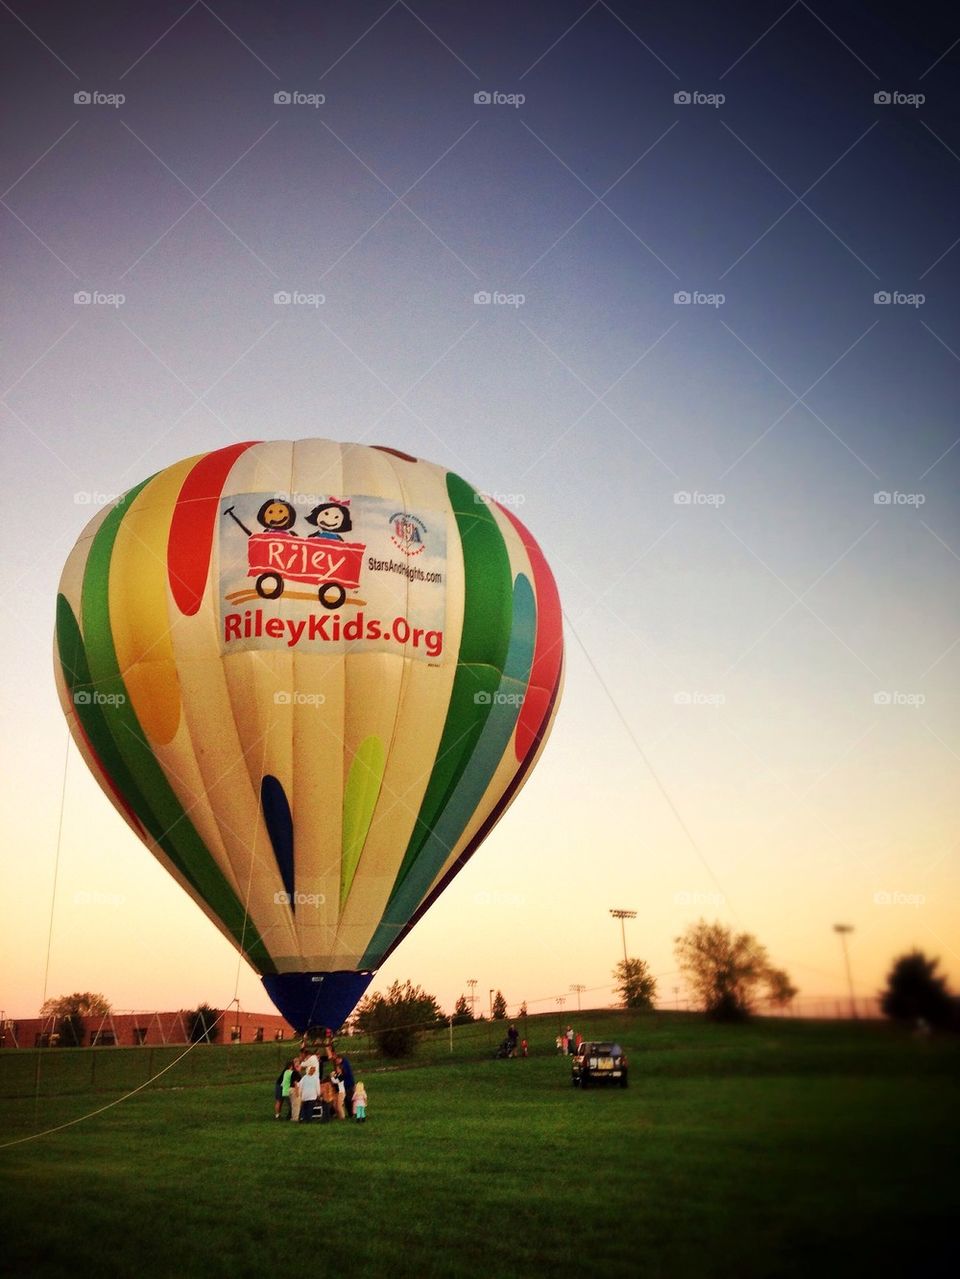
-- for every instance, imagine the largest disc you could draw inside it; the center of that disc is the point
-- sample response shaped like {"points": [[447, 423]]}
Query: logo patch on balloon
{"points": [[324, 574]]}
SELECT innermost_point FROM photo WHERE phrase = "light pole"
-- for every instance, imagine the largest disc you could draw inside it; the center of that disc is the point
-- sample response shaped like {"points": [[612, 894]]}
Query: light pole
{"points": [[491, 1003], [622, 915], [472, 983], [843, 930], [579, 991]]}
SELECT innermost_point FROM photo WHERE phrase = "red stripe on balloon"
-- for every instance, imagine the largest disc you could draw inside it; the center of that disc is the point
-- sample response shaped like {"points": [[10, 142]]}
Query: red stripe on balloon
{"points": [[194, 524], [547, 648]]}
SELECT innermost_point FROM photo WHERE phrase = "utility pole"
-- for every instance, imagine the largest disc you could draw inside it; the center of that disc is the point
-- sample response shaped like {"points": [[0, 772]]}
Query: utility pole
{"points": [[491, 1003], [472, 983], [622, 915], [843, 930], [579, 991]]}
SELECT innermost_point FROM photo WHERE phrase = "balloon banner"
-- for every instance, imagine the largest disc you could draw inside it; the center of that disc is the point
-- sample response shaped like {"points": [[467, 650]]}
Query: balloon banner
{"points": [[311, 677]]}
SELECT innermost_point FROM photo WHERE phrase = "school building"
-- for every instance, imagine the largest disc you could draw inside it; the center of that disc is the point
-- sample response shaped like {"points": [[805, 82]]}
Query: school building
{"points": [[130, 1030]]}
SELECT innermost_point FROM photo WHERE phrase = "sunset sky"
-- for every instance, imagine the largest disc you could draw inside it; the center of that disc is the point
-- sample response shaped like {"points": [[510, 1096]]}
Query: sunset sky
{"points": [[717, 378]]}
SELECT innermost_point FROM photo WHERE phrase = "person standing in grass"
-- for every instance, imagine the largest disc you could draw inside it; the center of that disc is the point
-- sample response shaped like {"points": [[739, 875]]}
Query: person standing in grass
{"points": [[285, 1085], [295, 1099], [309, 1089], [339, 1088], [360, 1102], [346, 1070]]}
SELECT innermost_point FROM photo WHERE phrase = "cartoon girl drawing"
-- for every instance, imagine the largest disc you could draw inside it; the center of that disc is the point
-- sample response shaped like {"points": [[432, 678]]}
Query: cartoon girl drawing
{"points": [[277, 516], [331, 520]]}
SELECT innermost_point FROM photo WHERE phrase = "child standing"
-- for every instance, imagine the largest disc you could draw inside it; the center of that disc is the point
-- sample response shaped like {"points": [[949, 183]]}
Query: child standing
{"points": [[360, 1102]]}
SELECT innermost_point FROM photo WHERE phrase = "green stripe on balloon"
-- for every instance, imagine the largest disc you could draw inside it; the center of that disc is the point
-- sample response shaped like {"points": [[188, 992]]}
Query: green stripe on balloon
{"points": [[487, 623], [158, 806], [493, 742], [359, 800]]}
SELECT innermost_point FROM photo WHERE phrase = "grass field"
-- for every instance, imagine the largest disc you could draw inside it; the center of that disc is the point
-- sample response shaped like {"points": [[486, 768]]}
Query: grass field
{"points": [[779, 1148]]}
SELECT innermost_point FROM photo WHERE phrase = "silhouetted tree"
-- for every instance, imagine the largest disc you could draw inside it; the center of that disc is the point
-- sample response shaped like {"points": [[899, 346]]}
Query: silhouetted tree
{"points": [[499, 1006], [635, 984], [726, 970], [397, 1019], [81, 1003], [915, 989], [202, 1025], [462, 1012]]}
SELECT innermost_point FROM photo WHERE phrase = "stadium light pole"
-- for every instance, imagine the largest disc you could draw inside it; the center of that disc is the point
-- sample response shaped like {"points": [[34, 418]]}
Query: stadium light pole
{"points": [[576, 986], [472, 983], [843, 930], [622, 915]]}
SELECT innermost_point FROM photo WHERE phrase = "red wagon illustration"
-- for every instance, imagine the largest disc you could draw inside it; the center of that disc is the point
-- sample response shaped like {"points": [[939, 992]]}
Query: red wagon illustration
{"points": [[332, 567]]}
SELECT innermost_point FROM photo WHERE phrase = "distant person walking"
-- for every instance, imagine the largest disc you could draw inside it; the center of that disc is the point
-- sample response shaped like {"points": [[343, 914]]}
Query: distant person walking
{"points": [[570, 1040]]}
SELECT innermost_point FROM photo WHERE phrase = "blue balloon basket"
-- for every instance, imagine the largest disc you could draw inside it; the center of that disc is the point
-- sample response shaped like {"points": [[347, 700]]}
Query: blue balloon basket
{"points": [[316, 999]]}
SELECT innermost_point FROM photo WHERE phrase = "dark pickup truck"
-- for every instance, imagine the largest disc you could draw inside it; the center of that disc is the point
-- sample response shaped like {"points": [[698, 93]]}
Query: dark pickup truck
{"points": [[596, 1063]]}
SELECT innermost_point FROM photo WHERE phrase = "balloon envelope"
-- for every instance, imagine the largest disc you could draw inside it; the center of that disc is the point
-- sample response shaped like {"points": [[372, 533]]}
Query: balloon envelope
{"points": [[311, 677]]}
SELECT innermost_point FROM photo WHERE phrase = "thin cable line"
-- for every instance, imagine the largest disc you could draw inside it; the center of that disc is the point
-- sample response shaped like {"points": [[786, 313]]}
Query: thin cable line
{"points": [[649, 766], [53, 903]]}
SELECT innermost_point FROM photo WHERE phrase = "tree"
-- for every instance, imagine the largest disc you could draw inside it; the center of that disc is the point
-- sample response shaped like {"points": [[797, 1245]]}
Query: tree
{"points": [[202, 1025], [635, 984], [523, 1009], [462, 1012], [80, 1003], [780, 989], [915, 989], [499, 1006], [68, 1012], [726, 970], [397, 1019]]}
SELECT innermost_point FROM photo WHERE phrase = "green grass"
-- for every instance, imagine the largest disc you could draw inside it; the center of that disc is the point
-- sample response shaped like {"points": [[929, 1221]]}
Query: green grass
{"points": [[778, 1148]]}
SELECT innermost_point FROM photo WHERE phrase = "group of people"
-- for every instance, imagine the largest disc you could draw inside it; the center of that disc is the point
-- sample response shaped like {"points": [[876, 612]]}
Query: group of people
{"points": [[568, 1042], [303, 1093]]}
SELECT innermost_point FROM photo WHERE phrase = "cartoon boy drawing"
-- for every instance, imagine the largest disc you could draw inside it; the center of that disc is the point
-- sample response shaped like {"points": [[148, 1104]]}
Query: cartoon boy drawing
{"points": [[331, 519], [277, 516]]}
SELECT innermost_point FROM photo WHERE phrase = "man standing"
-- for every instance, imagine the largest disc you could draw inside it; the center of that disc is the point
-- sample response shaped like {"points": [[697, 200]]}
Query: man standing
{"points": [[343, 1065]]}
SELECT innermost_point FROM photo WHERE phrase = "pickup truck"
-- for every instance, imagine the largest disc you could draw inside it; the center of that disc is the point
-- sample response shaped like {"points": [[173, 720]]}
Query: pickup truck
{"points": [[595, 1063]]}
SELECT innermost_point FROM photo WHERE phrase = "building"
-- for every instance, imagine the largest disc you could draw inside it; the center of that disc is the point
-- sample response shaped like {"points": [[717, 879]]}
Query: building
{"points": [[131, 1030]]}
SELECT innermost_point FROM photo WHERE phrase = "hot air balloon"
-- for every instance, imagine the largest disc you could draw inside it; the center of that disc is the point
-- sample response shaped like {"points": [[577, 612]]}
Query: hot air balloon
{"points": [[311, 677]]}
